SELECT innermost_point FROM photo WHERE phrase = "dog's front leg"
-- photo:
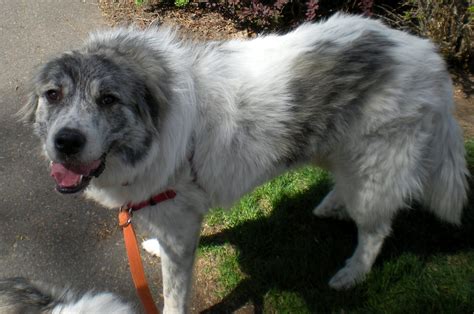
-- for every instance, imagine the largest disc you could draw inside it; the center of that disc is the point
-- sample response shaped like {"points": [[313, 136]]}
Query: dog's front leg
{"points": [[177, 227], [177, 262]]}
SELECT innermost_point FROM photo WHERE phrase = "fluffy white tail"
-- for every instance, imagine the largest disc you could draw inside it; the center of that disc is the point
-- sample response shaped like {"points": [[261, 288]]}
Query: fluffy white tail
{"points": [[447, 189]]}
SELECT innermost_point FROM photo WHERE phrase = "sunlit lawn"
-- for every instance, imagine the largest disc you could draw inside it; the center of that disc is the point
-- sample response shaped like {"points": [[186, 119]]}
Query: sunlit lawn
{"points": [[271, 252]]}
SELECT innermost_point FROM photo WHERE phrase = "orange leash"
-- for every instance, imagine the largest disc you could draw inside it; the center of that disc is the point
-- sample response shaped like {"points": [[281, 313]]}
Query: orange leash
{"points": [[135, 262]]}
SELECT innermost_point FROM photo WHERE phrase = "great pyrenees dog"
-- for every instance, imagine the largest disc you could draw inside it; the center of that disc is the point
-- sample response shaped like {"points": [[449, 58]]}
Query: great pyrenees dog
{"points": [[134, 113]]}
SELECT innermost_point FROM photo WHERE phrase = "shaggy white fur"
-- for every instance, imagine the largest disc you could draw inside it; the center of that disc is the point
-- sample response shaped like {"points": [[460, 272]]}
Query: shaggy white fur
{"points": [[212, 121]]}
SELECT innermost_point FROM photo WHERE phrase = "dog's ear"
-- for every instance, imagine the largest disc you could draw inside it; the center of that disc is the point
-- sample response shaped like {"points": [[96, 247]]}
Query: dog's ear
{"points": [[27, 113], [153, 105]]}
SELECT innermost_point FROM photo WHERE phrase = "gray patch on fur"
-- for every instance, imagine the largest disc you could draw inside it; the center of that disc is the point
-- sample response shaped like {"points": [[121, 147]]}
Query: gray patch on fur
{"points": [[18, 295], [22, 296], [132, 155], [330, 86], [98, 72], [135, 53]]}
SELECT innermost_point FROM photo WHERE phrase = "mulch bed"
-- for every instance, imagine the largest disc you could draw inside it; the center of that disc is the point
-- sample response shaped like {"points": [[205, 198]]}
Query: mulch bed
{"points": [[193, 21]]}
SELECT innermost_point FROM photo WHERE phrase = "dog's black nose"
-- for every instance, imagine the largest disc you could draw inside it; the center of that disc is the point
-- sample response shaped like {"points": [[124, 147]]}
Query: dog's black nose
{"points": [[69, 141]]}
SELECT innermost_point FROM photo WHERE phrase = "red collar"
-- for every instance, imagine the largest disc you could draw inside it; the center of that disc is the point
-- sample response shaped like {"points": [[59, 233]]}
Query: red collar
{"points": [[158, 198]]}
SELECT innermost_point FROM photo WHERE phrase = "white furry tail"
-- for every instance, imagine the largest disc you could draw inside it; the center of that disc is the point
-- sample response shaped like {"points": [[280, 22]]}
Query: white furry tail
{"points": [[447, 186]]}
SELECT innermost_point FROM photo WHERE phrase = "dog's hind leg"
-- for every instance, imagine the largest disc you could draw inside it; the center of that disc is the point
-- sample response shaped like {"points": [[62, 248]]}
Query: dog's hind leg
{"points": [[372, 207], [370, 242], [375, 184], [331, 206]]}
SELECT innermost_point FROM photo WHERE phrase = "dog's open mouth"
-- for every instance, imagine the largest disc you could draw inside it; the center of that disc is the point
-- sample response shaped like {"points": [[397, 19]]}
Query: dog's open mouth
{"points": [[72, 178]]}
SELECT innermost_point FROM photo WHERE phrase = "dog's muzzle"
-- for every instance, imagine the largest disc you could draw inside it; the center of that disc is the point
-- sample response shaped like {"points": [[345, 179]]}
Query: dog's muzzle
{"points": [[75, 177]]}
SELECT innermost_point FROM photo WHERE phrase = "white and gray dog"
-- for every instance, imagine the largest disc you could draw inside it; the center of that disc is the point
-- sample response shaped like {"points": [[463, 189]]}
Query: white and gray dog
{"points": [[21, 296], [134, 113]]}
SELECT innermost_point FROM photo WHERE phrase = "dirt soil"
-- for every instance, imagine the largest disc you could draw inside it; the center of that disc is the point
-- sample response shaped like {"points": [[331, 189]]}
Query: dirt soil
{"points": [[204, 24], [193, 22], [465, 107]]}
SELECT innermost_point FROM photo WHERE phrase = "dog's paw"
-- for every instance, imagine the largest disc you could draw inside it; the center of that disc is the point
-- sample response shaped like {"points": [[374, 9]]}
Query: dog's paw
{"points": [[333, 212], [331, 206], [152, 246], [347, 278]]}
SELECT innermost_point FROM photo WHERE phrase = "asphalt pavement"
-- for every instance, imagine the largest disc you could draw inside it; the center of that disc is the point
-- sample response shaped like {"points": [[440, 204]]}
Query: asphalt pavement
{"points": [[62, 240]]}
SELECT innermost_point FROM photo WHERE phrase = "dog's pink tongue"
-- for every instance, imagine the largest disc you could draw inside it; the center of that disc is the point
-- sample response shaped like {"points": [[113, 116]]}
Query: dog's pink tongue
{"points": [[71, 176], [64, 177]]}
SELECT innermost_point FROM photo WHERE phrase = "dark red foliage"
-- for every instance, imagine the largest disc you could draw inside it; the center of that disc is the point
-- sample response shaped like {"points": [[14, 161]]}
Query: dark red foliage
{"points": [[312, 7], [284, 14], [366, 6]]}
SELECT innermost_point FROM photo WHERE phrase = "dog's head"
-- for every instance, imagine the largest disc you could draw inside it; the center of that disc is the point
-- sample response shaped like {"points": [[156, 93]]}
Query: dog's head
{"points": [[89, 105]]}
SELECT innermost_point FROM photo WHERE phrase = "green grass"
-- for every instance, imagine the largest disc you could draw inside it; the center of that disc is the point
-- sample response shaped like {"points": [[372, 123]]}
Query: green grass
{"points": [[271, 252]]}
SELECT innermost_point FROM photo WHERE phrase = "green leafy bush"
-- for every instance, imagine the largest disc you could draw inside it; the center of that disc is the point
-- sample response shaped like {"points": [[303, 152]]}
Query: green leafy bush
{"points": [[181, 3], [447, 22]]}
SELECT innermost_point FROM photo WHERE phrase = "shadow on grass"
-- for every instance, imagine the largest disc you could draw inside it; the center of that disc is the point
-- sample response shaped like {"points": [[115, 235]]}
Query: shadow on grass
{"points": [[295, 252]]}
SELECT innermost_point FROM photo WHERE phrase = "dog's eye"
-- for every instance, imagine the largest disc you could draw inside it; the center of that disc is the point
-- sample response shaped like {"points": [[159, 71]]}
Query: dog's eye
{"points": [[107, 100], [53, 95]]}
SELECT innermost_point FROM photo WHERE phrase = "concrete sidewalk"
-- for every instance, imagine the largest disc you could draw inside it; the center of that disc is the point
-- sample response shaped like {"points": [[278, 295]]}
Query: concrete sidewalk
{"points": [[46, 236]]}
